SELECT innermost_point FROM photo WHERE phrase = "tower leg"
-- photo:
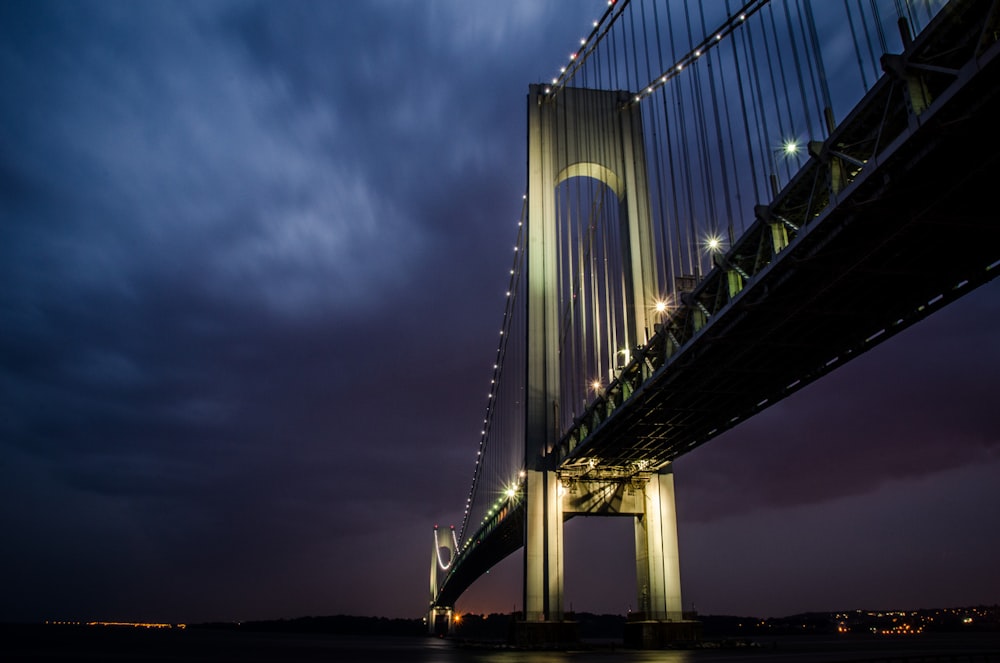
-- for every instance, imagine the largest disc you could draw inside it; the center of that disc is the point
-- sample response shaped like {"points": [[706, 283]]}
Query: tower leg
{"points": [[660, 620], [543, 624], [657, 560], [543, 551], [440, 621]]}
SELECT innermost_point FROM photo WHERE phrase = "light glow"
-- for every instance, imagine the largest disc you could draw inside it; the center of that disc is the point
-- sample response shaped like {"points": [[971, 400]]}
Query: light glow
{"points": [[437, 549]]}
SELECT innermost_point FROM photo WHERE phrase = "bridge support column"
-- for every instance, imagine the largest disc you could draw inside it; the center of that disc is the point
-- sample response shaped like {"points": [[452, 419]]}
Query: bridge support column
{"points": [[657, 560], [543, 550], [660, 620], [543, 623], [440, 620]]}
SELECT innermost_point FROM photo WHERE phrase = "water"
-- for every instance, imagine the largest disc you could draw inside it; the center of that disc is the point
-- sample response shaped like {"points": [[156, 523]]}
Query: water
{"points": [[83, 644]]}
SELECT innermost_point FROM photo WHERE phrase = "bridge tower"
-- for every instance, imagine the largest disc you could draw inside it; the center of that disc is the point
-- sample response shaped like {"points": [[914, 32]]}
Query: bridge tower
{"points": [[440, 618], [586, 133]]}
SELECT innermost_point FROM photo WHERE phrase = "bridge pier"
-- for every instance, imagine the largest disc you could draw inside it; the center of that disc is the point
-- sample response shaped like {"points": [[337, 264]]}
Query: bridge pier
{"points": [[543, 549], [544, 624], [657, 561], [659, 620], [648, 497], [440, 620]]}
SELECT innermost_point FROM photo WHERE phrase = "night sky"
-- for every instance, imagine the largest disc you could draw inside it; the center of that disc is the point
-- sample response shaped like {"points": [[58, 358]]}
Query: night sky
{"points": [[253, 259]]}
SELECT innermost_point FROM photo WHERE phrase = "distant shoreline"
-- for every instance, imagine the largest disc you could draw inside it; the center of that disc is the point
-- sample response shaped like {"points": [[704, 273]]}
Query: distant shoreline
{"points": [[495, 626]]}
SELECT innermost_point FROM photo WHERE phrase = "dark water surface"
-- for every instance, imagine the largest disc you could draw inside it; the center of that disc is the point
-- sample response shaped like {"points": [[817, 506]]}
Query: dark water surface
{"points": [[39, 643]]}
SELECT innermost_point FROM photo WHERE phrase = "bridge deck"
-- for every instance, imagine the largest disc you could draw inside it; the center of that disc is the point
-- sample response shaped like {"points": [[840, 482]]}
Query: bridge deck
{"points": [[917, 228]]}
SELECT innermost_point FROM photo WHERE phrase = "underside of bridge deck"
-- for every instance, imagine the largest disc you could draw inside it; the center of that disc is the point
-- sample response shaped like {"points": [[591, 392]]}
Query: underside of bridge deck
{"points": [[916, 229]]}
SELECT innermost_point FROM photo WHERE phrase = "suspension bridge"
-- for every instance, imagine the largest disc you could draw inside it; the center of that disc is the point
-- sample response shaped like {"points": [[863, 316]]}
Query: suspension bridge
{"points": [[724, 203]]}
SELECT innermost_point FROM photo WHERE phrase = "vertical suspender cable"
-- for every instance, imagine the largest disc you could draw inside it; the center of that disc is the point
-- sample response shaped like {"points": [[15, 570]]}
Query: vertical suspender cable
{"points": [[783, 88], [574, 356], [675, 244], [776, 47], [743, 109], [764, 134], [807, 52], [602, 300], [872, 58], [719, 136], [576, 301], [715, 55], [561, 211], [673, 143], [817, 54], [857, 47], [665, 244], [595, 211], [798, 73], [784, 130], [704, 167], [605, 273], [650, 153], [625, 258], [683, 140], [878, 27]]}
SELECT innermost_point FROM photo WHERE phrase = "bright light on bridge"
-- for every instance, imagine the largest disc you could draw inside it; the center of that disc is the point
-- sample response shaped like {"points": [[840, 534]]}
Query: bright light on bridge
{"points": [[713, 243]]}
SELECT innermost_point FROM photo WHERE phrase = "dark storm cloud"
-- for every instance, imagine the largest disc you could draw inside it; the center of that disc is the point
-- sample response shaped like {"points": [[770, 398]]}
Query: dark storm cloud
{"points": [[248, 253], [165, 140]]}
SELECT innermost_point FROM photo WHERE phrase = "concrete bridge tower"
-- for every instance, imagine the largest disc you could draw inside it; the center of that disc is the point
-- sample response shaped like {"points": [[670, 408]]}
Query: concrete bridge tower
{"points": [[597, 134], [440, 618]]}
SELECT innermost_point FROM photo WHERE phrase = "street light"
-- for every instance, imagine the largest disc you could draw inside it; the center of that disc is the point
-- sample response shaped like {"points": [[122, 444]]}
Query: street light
{"points": [[789, 151], [713, 243], [790, 147]]}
